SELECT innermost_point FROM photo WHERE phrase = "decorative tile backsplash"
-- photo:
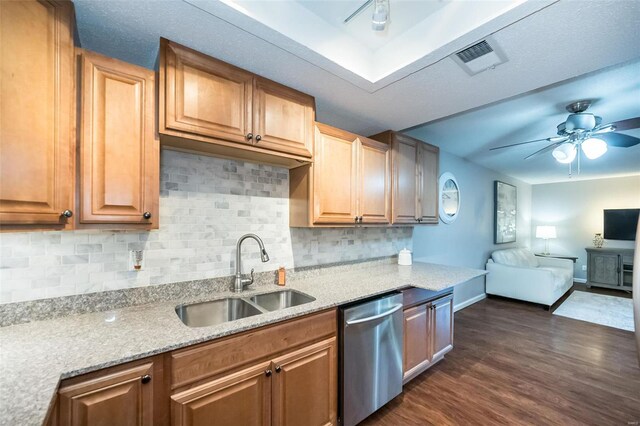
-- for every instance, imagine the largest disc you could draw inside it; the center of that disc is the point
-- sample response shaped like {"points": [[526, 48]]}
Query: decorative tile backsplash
{"points": [[206, 203]]}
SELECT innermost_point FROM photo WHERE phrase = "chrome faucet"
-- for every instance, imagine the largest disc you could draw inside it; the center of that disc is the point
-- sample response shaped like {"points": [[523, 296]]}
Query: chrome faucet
{"points": [[241, 283]]}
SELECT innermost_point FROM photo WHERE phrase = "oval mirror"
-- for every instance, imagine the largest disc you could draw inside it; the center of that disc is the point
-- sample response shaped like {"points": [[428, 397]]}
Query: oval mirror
{"points": [[449, 197]]}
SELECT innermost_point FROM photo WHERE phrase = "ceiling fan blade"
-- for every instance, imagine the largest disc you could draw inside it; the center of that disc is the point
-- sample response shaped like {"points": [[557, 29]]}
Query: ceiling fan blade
{"points": [[630, 123], [551, 139], [545, 149], [619, 139]]}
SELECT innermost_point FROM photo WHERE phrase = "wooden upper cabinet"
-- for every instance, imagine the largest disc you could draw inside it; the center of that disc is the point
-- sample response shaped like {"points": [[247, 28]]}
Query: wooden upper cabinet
{"points": [[349, 182], [414, 164], [211, 106], [282, 118], [442, 327], [119, 154], [205, 96], [428, 172], [123, 398], [37, 105], [242, 398], [405, 181], [335, 176], [374, 181], [305, 390]]}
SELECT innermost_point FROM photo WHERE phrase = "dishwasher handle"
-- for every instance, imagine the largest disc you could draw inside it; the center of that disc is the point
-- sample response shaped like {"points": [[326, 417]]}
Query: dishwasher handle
{"points": [[375, 317]]}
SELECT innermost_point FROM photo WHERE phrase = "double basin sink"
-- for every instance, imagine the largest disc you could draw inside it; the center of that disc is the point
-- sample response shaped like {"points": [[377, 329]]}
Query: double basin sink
{"points": [[234, 308]]}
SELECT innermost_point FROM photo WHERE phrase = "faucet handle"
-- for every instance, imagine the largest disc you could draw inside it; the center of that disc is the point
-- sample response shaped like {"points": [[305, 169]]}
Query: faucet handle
{"points": [[248, 281]]}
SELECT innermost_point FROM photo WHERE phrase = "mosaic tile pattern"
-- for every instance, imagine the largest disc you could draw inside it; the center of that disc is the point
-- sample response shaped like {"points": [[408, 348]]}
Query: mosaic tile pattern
{"points": [[206, 203]]}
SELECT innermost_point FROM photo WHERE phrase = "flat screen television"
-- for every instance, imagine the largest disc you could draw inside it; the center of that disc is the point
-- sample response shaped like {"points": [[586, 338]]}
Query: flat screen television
{"points": [[621, 224]]}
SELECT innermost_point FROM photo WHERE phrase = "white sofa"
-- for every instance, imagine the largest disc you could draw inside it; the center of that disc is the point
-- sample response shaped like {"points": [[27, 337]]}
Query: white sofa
{"points": [[519, 274]]}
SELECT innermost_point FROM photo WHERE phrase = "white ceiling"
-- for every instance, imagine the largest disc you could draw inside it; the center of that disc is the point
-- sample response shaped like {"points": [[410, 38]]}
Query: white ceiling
{"points": [[418, 29], [405, 15], [535, 115], [545, 42]]}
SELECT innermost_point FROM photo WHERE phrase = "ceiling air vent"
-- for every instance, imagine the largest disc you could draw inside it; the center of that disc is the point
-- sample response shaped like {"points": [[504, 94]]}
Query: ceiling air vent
{"points": [[479, 57], [474, 52]]}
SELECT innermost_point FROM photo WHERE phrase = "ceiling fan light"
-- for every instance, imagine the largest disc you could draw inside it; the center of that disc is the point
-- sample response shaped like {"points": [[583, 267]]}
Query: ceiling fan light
{"points": [[380, 15], [594, 148], [565, 153]]}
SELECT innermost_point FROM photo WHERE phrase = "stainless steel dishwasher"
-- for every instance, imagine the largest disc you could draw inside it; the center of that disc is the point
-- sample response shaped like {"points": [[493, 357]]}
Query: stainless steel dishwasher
{"points": [[370, 356]]}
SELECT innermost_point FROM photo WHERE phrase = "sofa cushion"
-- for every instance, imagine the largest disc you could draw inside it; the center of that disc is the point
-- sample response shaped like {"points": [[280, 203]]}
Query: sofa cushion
{"points": [[515, 257], [561, 276]]}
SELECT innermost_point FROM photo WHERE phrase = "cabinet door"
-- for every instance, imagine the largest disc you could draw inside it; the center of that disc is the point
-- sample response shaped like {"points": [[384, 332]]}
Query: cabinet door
{"points": [[204, 96], [123, 398], [374, 179], [305, 386], [335, 191], [604, 268], [428, 159], [283, 119], [242, 398], [405, 183], [36, 112], [417, 340], [442, 329], [119, 161]]}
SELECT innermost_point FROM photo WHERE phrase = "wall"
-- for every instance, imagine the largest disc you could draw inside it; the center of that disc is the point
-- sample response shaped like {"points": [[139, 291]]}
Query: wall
{"points": [[575, 208], [469, 240], [206, 203]]}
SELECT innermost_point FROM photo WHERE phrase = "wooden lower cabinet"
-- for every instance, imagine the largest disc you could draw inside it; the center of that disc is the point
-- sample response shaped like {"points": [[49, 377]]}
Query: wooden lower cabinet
{"points": [[442, 340], [124, 397], [282, 374], [428, 335], [417, 345], [242, 398], [305, 386]]}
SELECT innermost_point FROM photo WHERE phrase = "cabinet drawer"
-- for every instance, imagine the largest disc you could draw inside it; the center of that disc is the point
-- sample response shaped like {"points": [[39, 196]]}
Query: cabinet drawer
{"points": [[210, 359]]}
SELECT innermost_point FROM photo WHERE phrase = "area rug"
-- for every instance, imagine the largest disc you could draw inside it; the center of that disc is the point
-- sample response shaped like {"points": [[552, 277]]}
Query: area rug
{"points": [[604, 310]]}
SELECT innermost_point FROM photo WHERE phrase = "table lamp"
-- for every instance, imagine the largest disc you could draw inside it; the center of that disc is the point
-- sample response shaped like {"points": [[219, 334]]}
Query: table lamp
{"points": [[546, 232]]}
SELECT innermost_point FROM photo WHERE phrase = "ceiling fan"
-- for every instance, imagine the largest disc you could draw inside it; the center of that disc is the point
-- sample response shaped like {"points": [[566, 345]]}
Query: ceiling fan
{"points": [[584, 131]]}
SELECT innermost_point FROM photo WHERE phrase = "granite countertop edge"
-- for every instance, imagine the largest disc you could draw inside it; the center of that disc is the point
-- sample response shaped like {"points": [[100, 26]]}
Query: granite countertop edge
{"points": [[43, 341]]}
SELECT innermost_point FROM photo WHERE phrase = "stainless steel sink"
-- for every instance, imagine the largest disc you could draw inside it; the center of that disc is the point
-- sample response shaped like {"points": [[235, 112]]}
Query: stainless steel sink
{"points": [[281, 299], [215, 312]]}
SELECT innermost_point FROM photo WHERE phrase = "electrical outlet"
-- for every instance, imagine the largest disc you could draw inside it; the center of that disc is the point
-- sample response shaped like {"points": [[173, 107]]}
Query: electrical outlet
{"points": [[136, 260], [584, 267]]}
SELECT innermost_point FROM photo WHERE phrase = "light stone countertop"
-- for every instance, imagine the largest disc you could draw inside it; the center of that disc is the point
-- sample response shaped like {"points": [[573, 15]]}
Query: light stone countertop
{"points": [[34, 357]]}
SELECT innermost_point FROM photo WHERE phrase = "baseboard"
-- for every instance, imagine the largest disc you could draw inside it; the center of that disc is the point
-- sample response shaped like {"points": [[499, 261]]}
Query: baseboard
{"points": [[469, 302], [580, 280]]}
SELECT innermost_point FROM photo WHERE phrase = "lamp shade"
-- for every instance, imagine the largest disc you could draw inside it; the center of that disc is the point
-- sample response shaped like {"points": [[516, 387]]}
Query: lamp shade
{"points": [[594, 148], [565, 153], [545, 232]]}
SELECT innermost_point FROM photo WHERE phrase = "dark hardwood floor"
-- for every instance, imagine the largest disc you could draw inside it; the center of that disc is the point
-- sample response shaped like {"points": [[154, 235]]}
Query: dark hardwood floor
{"points": [[515, 363]]}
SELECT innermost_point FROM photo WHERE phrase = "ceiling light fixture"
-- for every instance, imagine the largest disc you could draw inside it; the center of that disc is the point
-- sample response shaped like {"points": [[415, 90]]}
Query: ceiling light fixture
{"points": [[565, 153], [380, 15], [593, 148]]}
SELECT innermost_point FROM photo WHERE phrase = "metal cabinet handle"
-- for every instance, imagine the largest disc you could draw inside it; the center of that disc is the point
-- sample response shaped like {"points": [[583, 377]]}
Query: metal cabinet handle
{"points": [[360, 219], [249, 136], [146, 215], [267, 373], [258, 138], [145, 379], [67, 213], [356, 219], [375, 317], [278, 369]]}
